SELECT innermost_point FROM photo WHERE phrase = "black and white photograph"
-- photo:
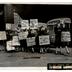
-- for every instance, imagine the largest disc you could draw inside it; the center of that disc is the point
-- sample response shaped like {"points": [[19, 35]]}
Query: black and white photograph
{"points": [[34, 35]]}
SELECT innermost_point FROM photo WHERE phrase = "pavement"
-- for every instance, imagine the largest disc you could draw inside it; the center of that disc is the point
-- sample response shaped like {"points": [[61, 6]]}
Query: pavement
{"points": [[28, 59]]}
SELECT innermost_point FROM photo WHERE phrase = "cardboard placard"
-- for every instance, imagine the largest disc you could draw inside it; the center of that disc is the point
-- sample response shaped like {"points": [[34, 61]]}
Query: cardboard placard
{"points": [[23, 35], [67, 20], [44, 40], [31, 41], [15, 41], [33, 23], [9, 46], [8, 26], [24, 24], [65, 36], [3, 35]]}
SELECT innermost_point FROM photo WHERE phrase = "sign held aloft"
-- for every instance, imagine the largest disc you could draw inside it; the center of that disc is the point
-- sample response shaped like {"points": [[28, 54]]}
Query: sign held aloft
{"points": [[8, 26], [15, 41], [24, 24], [33, 23]]}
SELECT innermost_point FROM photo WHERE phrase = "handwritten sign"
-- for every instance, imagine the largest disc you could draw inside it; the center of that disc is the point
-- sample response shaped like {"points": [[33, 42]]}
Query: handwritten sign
{"points": [[8, 26], [15, 41], [65, 36], [24, 24], [44, 40], [23, 35], [31, 41], [9, 46], [67, 20], [3, 35], [33, 23]]}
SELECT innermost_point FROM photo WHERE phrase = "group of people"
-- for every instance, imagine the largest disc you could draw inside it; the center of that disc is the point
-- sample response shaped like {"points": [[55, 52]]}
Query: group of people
{"points": [[32, 33], [58, 29]]}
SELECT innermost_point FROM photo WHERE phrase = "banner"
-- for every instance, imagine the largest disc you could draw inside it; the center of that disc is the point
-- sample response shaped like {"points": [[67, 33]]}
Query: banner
{"points": [[31, 41], [15, 41], [24, 24], [23, 35], [8, 26], [33, 23], [3, 35], [44, 40], [65, 36], [9, 46]]}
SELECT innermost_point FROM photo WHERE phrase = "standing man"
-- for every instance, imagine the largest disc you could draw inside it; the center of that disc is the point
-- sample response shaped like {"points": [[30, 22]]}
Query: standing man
{"points": [[58, 30], [22, 38], [65, 37], [17, 31]]}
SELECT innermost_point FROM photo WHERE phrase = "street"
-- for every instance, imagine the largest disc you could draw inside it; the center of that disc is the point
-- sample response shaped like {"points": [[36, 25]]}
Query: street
{"points": [[23, 59]]}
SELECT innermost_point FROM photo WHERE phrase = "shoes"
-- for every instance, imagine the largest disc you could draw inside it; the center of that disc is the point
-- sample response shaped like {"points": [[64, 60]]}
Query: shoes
{"points": [[41, 50], [56, 52], [67, 50], [33, 50]]}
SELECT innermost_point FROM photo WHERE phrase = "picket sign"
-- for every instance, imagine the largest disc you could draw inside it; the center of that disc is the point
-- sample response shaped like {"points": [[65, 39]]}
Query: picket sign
{"points": [[9, 46], [44, 40], [3, 35], [23, 35], [65, 36], [24, 24], [15, 41], [8, 26], [31, 41], [33, 23]]}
